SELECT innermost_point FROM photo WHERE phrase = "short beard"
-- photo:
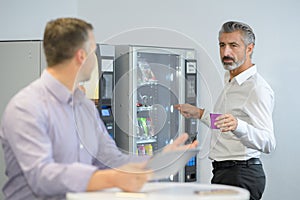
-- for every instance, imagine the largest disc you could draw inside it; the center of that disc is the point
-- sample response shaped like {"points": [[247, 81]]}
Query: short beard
{"points": [[235, 64]]}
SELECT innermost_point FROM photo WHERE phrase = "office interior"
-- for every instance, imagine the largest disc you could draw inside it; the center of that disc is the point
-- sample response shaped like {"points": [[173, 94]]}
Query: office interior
{"points": [[193, 24]]}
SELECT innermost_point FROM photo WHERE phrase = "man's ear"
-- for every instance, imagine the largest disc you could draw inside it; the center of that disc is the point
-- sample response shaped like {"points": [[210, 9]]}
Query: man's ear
{"points": [[80, 56], [250, 48]]}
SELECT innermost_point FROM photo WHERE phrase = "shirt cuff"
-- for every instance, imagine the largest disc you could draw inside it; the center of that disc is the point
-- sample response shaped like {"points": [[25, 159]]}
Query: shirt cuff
{"points": [[241, 128], [205, 117]]}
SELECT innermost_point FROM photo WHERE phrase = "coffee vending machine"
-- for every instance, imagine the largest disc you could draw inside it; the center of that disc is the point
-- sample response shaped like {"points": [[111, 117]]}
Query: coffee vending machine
{"points": [[106, 56]]}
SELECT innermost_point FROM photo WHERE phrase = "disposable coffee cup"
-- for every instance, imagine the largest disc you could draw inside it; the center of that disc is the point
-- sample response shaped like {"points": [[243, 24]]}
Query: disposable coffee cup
{"points": [[213, 117]]}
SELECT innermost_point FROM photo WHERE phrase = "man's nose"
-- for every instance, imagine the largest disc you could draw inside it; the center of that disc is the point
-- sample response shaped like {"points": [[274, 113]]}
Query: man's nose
{"points": [[227, 51]]}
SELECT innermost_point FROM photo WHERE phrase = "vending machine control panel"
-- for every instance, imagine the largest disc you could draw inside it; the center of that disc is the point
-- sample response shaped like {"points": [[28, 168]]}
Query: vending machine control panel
{"points": [[191, 124]]}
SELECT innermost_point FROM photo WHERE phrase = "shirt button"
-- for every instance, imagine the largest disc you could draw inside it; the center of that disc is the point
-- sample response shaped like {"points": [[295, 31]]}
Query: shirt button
{"points": [[81, 146]]}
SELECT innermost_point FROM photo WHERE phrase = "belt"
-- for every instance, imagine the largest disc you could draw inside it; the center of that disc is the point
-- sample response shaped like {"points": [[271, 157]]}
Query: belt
{"points": [[231, 163]]}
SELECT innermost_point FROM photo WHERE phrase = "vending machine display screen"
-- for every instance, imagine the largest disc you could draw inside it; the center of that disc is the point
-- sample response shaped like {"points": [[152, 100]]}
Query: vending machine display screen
{"points": [[105, 112]]}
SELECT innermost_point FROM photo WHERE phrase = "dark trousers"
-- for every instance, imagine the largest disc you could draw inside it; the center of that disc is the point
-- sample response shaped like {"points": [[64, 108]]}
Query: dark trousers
{"points": [[250, 177]]}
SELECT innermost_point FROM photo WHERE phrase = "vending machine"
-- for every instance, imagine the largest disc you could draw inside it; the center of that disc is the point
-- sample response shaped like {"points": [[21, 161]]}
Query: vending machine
{"points": [[148, 82], [105, 73]]}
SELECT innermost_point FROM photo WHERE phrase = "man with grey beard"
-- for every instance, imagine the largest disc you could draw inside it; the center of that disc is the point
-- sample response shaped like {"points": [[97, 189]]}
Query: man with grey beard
{"points": [[244, 129]]}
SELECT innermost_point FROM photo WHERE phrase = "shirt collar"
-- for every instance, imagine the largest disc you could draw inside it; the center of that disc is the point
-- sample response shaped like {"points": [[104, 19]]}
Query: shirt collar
{"points": [[242, 77], [57, 89]]}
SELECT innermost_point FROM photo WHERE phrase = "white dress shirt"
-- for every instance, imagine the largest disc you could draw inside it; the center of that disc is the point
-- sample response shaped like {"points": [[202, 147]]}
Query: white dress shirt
{"points": [[250, 99]]}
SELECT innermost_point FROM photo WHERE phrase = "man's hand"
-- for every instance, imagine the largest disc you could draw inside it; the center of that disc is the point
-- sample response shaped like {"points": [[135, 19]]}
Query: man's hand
{"points": [[189, 111], [178, 144], [131, 177], [226, 122]]}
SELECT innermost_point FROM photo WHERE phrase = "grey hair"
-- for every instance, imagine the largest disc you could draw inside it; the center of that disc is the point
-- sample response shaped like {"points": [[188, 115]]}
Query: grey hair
{"points": [[246, 30]]}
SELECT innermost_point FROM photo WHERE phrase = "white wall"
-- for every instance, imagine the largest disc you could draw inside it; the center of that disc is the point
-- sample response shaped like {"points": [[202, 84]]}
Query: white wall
{"points": [[196, 23], [26, 19]]}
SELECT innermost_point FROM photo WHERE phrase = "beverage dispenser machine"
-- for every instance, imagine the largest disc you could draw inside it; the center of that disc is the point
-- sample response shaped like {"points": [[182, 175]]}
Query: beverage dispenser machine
{"points": [[148, 82], [106, 56]]}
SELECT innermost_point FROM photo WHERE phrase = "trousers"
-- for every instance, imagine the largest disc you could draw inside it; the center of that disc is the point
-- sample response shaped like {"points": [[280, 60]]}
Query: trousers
{"points": [[248, 176]]}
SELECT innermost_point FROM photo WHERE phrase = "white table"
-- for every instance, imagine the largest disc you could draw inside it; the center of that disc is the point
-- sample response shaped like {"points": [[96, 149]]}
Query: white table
{"points": [[169, 191]]}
